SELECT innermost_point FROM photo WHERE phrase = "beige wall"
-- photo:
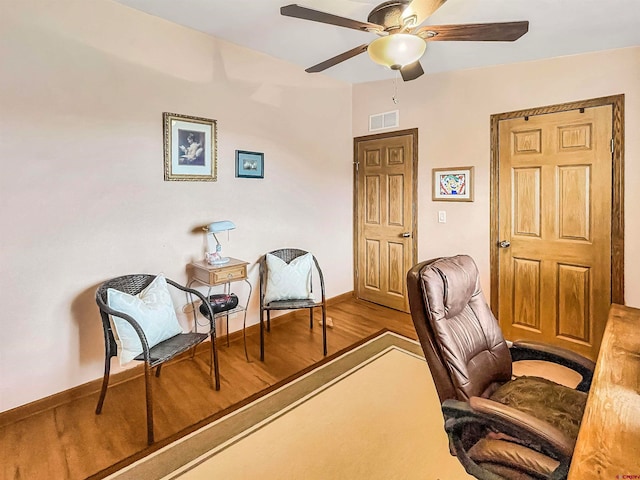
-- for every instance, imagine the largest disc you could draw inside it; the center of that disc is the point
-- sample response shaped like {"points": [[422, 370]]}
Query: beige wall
{"points": [[451, 112], [82, 89]]}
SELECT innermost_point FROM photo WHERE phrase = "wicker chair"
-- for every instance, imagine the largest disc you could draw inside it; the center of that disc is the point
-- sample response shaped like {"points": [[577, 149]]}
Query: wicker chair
{"points": [[289, 254], [160, 353]]}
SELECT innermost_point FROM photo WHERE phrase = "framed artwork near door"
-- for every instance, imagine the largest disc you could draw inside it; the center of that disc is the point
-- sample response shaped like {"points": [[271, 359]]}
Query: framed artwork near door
{"points": [[453, 184]]}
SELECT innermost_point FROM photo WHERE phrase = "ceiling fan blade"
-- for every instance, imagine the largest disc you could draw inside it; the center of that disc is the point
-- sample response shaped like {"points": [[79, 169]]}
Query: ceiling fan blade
{"points": [[474, 32], [419, 10], [411, 71], [305, 13], [337, 59]]}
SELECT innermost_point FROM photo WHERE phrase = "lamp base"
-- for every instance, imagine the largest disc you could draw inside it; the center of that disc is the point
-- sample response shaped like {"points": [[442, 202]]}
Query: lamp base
{"points": [[219, 261], [214, 258]]}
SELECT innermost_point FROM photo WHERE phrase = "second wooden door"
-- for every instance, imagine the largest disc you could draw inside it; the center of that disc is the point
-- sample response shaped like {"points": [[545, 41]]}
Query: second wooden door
{"points": [[385, 217], [555, 227]]}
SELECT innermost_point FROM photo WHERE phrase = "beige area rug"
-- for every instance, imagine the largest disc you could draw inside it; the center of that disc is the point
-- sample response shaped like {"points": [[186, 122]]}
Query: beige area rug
{"points": [[372, 413]]}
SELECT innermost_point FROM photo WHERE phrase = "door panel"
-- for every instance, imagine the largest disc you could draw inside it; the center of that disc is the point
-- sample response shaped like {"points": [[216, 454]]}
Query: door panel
{"points": [[526, 293], [373, 200], [575, 206], [526, 201], [397, 272], [396, 200], [555, 209], [573, 306], [372, 272], [385, 186]]}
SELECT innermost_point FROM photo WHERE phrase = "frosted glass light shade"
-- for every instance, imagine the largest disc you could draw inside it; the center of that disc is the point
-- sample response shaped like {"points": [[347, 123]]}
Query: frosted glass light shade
{"points": [[397, 50]]}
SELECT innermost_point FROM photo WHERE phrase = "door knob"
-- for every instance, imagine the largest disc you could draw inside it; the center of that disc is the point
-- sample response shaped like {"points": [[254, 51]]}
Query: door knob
{"points": [[504, 244], [406, 234]]}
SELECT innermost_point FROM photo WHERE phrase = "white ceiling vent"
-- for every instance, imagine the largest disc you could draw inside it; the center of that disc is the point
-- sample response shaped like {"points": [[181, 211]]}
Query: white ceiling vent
{"points": [[380, 121]]}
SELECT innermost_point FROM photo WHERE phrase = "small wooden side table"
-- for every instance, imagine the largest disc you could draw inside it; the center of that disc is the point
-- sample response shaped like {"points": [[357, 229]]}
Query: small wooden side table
{"points": [[213, 275]]}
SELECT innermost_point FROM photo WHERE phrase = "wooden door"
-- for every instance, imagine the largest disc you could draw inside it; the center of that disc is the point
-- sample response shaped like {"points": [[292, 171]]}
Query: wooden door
{"points": [[555, 210], [385, 217]]}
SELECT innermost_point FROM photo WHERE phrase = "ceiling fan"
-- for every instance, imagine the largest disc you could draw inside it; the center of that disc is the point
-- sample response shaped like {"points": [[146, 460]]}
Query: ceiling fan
{"points": [[401, 40]]}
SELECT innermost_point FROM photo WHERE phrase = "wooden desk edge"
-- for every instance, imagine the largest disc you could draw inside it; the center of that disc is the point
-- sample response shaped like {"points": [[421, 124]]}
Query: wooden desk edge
{"points": [[609, 440]]}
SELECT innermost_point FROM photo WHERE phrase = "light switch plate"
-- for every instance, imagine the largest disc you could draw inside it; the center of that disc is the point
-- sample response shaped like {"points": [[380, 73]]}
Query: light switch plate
{"points": [[442, 216]]}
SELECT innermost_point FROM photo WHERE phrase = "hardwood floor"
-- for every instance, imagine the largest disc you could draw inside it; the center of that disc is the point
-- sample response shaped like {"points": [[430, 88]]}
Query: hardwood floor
{"points": [[71, 442]]}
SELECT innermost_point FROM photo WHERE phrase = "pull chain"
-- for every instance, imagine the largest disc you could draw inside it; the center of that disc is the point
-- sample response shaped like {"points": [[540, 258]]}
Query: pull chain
{"points": [[395, 98]]}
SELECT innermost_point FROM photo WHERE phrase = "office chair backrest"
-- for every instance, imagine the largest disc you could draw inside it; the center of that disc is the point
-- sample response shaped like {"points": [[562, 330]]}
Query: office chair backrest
{"points": [[461, 339]]}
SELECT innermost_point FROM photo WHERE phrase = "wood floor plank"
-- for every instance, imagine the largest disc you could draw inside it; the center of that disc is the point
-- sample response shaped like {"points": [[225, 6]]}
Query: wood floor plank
{"points": [[71, 442]]}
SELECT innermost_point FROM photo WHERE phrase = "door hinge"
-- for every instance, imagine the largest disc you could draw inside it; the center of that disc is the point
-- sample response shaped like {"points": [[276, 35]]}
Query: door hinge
{"points": [[357, 164], [612, 145]]}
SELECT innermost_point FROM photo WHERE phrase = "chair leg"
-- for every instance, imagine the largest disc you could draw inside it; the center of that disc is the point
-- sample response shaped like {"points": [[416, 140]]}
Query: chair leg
{"points": [[268, 320], [105, 384], [311, 318], [214, 370], [158, 370], [149, 395], [211, 365], [262, 335], [324, 329]]}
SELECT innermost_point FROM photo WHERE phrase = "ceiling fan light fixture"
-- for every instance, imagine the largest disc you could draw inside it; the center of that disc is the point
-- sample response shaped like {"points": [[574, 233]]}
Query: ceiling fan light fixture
{"points": [[397, 50]]}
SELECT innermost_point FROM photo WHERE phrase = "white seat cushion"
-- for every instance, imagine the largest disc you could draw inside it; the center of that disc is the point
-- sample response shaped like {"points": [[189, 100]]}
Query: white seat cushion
{"points": [[290, 281], [153, 310]]}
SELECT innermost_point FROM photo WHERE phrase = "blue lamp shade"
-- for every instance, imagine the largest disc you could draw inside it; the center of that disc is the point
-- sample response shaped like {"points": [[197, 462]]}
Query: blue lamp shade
{"points": [[216, 258], [221, 226]]}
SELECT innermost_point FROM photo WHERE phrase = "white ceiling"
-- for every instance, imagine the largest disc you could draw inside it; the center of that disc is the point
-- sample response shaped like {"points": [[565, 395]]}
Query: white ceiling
{"points": [[556, 28]]}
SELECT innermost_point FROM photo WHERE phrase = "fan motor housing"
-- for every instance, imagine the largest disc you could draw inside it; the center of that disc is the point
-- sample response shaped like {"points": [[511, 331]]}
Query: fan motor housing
{"points": [[388, 14]]}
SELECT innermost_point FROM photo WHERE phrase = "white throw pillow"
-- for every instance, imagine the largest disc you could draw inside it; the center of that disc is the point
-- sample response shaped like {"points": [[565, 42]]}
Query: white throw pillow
{"points": [[290, 281], [152, 309]]}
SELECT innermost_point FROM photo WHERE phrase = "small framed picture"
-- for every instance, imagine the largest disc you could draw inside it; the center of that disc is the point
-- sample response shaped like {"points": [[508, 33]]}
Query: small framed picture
{"points": [[190, 148], [249, 164], [453, 184]]}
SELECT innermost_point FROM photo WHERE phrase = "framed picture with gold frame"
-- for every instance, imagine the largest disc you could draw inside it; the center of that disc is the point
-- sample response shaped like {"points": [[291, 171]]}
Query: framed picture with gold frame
{"points": [[190, 148], [453, 184]]}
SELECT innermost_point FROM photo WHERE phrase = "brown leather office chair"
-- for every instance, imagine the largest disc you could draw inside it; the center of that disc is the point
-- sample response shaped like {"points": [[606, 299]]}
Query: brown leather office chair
{"points": [[498, 427]]}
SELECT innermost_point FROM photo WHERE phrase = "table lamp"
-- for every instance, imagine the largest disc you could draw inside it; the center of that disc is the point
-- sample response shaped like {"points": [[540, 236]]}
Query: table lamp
{"points": [[216, 258]]}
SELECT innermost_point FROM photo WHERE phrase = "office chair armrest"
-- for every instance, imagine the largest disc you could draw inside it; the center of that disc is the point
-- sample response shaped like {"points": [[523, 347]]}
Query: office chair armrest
{"points": [[544, 431], [510, 421], [462, 419], [456, 408], [529, 350]]}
